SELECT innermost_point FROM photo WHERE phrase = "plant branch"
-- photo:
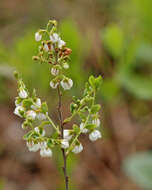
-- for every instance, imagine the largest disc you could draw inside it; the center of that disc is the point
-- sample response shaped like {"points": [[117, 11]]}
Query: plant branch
{"points": [[62, 129]]}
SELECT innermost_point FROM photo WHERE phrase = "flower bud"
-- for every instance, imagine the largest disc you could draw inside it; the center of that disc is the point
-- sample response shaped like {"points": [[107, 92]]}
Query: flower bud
{"points": [[38, 36], [46, 152], [96, 122], [77, 149], [23, 93], [31, 114], [83, 130], [95, 135], [66, 83], [66, 134], [64, 143]]}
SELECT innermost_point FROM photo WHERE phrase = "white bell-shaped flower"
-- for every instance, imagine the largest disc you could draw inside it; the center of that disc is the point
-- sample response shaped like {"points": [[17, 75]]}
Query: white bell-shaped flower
{"points": [[43, 144], [54, 38], [93, 136], [96, 122], [54, 71], [54, 84], [31, 114], [64, 143], [46, 48], [66, 83], [65, 65], [41, 116], [66, 134], [23, 93], [37, 130], [77, 149], [18, 111], [46, 152], [38, 36], [37, 104], [32, 147], [83, 130], [61, 43]]}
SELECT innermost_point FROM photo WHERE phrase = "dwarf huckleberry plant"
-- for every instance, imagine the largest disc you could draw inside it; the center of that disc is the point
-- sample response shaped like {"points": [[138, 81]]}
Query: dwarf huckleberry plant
{"points": [[53, 51]]}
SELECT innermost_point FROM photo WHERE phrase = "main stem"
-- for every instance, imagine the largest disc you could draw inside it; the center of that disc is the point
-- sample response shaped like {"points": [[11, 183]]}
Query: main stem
{"points": [[66, 178]]}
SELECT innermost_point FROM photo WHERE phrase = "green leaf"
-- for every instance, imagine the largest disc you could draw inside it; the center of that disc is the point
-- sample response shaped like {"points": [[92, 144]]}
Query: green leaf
{"points": [[44, 107], [95, 108], [95, 82], [76, 129]]}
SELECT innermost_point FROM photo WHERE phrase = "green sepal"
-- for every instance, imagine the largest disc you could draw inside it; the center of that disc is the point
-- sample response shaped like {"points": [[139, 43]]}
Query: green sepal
{"points": [[27, 103], [28, 135], [90, 126]]}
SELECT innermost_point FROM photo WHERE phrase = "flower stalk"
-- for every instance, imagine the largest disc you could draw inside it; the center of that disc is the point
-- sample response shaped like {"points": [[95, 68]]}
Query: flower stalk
{"points": [[53, 51]]}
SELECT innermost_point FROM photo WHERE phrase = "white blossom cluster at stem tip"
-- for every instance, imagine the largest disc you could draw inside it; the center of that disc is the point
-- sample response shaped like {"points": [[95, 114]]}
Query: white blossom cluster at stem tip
{"points": [[58, 55]]}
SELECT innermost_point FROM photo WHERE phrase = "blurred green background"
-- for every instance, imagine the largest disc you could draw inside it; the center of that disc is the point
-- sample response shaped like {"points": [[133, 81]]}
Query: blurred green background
{"points": [[110, 38]]}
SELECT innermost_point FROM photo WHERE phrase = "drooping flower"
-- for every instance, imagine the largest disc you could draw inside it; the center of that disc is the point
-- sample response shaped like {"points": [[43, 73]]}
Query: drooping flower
{"points": [[33, 147], [46, 48], [77, 149], [23, 93], [19, 110], [96, 122], [37, 130], [61, 43], [38, 36], [83, 130], [54, 71], [64, 143], [66, 83], [53, 84], [66, 134], [43, 144], [65, 65], [46, 152], [37, 104], [54, 38], [93, 136], [31, 114], [41, 116]]}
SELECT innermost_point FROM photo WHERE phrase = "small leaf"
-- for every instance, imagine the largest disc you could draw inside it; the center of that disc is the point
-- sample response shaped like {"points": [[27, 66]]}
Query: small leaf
{"points": [[76, 129], [44, 107], [95, 108]]}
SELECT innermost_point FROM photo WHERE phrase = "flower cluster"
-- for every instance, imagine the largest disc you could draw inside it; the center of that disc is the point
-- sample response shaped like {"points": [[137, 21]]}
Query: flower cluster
{"points": [[53, 50]]}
